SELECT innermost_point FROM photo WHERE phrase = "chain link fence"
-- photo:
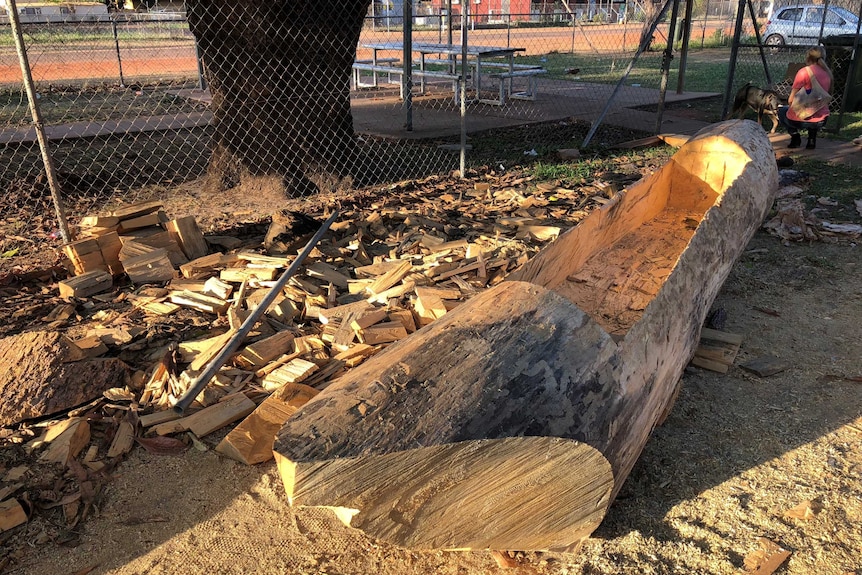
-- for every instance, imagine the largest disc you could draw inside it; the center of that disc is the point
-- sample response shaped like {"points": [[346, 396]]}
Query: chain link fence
{"points": [[323, 94]]}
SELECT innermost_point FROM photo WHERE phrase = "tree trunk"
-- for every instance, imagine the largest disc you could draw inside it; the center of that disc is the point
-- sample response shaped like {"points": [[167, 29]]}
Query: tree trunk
{"points": [[584, 344], [279, 74]]}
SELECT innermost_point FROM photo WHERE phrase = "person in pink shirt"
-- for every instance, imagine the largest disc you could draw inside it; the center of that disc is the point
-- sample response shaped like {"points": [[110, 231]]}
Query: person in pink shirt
{"points": [[815, 61]]}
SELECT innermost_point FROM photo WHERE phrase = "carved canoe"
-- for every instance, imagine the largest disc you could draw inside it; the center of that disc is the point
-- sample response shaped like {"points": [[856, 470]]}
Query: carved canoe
{"points": [[513, 421]]}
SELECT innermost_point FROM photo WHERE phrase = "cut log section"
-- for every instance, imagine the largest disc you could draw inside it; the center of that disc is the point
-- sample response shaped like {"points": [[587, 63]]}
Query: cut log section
{"points": [[575, 358], [518, 492]]}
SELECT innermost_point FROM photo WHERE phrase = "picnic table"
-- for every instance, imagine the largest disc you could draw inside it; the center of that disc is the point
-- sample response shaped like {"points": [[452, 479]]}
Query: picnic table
{"points": [[494, 57]]}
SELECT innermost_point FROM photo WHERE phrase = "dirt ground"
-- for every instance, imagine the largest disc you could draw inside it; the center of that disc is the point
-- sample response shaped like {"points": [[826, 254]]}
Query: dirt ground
{"points": [[737, 452]]}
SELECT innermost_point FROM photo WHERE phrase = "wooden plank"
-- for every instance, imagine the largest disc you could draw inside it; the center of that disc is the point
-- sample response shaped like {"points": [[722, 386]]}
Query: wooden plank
{"points": [[142, 221], [203, 266], [150, 268], [231, 408], [367, 319], [326, 272], [217, 288], [99, 221], [188, 235], [91, 346], [211, 348], [85, 255], [68, 444], [130, 248], [86, 284], [405, 316], [124, 439], [11, 514], [110, 246], [199, 301], [239, 275], [429, 306], [390, 278], [138, 209], [766, 559], [296, 370], [393, 292], [382, 333], [765, 365], [261, 352], [722, 336], [251, 441], [158, 417]]}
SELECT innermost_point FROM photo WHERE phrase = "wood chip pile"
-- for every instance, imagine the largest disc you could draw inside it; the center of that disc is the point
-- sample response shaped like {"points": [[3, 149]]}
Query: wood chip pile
{"points": [[383, 271]]}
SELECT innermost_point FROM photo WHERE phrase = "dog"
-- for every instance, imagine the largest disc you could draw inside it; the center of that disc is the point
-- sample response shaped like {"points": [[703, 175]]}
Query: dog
{"points": [[764, 102]]}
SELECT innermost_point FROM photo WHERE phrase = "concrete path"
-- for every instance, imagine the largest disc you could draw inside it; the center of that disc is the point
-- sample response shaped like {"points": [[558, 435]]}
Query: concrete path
{"points": [[383, 116]]}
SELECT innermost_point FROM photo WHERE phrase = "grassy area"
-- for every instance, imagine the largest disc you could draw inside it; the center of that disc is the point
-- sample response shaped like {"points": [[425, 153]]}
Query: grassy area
{"points": [[102, 102], [85, 34], [840, 183]]}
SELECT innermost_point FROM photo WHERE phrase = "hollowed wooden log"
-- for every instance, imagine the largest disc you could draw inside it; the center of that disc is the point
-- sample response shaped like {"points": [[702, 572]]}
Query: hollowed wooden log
{"points": [[513, 421]]}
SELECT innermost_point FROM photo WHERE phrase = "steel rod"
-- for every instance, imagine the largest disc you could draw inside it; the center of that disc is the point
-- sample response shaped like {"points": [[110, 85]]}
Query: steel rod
{"points": [[215, 364]]}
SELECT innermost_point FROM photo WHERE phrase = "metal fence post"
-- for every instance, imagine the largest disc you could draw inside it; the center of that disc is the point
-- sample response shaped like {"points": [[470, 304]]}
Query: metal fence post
{"points": [[407, 61], [48, 161], [734, 53], [117, 47], [463, 81]]}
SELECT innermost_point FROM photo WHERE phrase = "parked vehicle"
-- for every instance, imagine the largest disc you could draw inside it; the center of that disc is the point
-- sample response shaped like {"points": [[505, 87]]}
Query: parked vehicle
{"points": [[800, 25]]}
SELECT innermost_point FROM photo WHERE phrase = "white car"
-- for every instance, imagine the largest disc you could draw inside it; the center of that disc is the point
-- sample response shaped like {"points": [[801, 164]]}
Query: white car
{"points": [[800, 25]]}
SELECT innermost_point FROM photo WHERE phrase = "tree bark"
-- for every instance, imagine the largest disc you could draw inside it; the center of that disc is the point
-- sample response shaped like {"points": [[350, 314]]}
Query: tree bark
{"points": [[585, 344], [42, 373], [279, 74]]}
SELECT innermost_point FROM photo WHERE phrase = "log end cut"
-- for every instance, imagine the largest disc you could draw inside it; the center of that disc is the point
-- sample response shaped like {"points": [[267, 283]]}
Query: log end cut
{"points": [[525, 493]]}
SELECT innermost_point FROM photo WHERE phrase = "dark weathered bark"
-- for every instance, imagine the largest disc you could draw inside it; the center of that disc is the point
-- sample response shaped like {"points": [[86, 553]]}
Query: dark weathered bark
{"points": [[42, 373], [279, 73], [587, 346]]}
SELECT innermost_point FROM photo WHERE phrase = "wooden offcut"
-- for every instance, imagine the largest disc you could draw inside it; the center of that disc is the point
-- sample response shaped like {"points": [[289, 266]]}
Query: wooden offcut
{"points": [[86, 284], [442, 439], [68, 444], [231, 408], [261, 352], [188, 235], [717, 350], [85, 255], [137, 209], [251, 441], [11, 514], [152, 267]]}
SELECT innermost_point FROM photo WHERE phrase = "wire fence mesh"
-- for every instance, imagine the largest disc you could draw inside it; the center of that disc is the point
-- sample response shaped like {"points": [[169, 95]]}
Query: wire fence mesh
{"points": [[317, 93]]}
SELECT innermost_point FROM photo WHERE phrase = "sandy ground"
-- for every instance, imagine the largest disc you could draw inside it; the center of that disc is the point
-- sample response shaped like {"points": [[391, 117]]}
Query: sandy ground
{"points": [[736, 453]]}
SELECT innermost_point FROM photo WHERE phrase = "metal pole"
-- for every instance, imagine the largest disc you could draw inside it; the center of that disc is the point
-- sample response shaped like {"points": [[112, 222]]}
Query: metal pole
{"points": [[463, 81], [202, 81], [850, 71], [117, 46], [47, 160], [665, 65], [212, 368], [759, 42], [734, 53], [645, 42], [686, 37], [449, 21], [407, 62]]}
